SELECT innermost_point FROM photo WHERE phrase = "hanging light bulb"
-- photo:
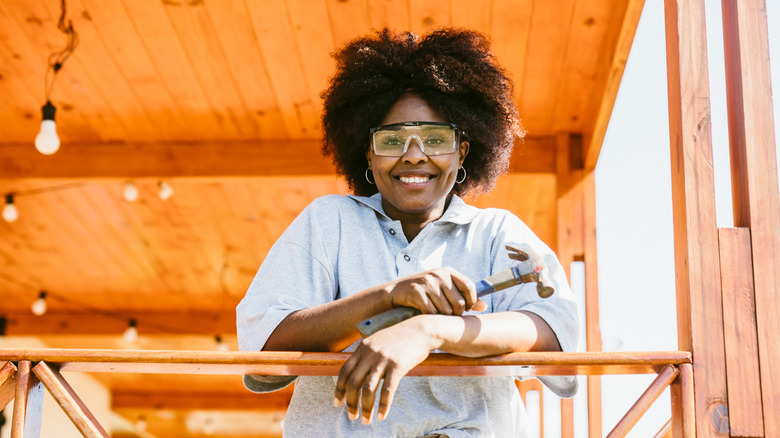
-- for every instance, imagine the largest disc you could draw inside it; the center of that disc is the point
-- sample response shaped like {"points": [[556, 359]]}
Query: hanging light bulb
{"points": [[131, 334], [10, 213], [130, 192], [47, 141], [221, 344], [39, 306], [140, 424], [165, 190]]}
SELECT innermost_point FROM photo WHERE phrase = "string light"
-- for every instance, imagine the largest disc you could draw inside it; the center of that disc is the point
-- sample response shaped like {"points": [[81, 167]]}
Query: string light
{"points": [[221, 344], [165, 190], [130, 192], [47, 142], [131, 334], [140, 425], [39, 306], [10, 213]]}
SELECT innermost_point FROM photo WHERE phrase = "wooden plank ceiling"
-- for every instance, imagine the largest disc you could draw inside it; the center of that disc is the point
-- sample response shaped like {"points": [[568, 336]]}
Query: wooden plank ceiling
{"points": [[220, 99]]}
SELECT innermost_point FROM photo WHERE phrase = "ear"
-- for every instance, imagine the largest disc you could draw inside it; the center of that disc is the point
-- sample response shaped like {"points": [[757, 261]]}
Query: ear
{"points": [[368, 156], [463, 150]]}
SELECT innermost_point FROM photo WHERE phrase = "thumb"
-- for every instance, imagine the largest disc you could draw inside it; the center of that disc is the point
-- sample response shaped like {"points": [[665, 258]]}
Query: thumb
{"points": [[479, 306]]}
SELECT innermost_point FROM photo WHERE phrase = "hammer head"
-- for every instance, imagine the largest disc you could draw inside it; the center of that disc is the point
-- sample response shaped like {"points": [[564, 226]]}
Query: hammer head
{"points": [[532, 268]]}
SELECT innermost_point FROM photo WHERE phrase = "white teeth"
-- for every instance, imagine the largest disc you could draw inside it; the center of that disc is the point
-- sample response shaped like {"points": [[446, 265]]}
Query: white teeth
{"points": [[413, 179]]}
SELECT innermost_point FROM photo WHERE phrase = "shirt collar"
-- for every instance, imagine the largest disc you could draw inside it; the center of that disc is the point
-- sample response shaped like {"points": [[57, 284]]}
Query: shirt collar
{"points": [[458, 212]]}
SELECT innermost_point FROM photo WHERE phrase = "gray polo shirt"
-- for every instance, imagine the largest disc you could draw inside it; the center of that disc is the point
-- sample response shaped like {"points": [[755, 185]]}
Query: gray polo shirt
{"points": [[340, 245]]}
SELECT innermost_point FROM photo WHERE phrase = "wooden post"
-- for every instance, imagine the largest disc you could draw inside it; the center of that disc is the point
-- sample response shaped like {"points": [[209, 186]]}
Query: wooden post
{"points": [[683, 405], [754, 179], [577, 241], [28, 406], [697, 266]]}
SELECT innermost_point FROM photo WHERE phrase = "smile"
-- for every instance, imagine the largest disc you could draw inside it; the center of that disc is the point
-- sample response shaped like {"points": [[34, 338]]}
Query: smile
{"points": [[414, 179]]}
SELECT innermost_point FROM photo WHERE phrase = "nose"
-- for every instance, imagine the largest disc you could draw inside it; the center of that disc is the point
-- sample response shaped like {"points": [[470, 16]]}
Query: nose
{"points": [[414, 151]]}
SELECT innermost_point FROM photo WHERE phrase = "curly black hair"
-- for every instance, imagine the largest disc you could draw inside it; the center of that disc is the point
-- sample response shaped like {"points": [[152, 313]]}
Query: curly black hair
{"points": [[453, 70]]}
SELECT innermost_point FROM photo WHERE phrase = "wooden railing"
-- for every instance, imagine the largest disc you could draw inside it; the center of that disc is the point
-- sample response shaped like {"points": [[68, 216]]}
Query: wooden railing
{"points": [[20, 381]]}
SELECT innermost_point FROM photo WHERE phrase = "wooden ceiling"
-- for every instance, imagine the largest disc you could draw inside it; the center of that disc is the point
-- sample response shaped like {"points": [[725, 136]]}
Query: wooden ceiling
{"points": [[220, 99]]}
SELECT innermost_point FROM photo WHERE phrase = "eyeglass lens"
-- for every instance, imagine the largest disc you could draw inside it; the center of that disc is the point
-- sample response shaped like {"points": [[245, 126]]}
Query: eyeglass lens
{"points": [[432, 139]]}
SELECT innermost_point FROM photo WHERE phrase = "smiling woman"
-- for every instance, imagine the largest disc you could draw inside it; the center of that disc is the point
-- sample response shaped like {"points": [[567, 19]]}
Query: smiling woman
{"points": [[411, 125]]}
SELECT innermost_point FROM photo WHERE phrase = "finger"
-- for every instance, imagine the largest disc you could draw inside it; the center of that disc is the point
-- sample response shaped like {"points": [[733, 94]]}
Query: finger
{"points": [[368, 394], [455, 298], [341, 382], [424, 298], [393, 377], [466, 288], [479, 306], [441, 299], [354, 386]]}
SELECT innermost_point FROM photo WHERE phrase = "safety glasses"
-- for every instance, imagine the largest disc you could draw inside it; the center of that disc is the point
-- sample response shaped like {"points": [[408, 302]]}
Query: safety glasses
{"points": [[434, 138]]}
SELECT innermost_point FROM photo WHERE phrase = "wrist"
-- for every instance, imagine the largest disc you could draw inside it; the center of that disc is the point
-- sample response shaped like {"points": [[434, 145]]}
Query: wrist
{"points": [[435, 328]]}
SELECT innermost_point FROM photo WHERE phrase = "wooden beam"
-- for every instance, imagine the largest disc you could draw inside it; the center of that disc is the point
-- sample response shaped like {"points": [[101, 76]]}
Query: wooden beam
{"points": [[754, 178], [69, 401], [664, 379], [208, 159], [28, 404], [593, 321], [116, 322], [697, 265], [612, 63], [245, 400]]}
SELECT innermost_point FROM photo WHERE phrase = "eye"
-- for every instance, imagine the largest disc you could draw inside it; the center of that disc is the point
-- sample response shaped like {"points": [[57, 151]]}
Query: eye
{"points": [[392, 140], [433, 140]]}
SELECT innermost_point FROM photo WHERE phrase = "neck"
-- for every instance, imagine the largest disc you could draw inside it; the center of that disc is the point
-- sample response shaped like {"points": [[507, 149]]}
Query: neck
{"points": [[414, 222]]}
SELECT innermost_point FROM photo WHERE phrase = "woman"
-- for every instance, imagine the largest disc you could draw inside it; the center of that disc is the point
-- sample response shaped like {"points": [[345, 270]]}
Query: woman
{"points": [[411, 125]]}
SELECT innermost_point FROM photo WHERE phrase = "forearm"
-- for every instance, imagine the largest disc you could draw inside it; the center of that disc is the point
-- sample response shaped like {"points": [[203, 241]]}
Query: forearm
{"points": [[331, 326], [489, 334]]}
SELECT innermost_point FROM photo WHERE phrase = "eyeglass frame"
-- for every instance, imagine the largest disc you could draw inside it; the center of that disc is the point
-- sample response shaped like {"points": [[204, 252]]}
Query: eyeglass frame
{"points": [[459, 136]]}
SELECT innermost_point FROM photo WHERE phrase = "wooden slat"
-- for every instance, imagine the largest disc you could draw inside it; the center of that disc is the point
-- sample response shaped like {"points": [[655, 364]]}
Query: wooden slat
{"points": [[533, 385], [509, 35], [612, 59], [428, 15], [472, 15], [196, 399], [739, 324], [548, 37], [7, 384], [328, 364], [349, 20], [697, 267], [69, 401], [647, 398], [665, 431], [754, 178], [567, 418], [274, 34], [28, 404]]}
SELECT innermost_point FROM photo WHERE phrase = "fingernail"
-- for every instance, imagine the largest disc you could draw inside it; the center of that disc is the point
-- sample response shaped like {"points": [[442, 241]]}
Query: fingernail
{"points": [[336, 401], [380, 416], [365, 420], [353, 416]]}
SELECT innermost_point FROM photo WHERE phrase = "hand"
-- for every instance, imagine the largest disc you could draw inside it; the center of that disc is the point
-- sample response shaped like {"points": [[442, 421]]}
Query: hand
{"points": [[441, 290], [388, 354]]}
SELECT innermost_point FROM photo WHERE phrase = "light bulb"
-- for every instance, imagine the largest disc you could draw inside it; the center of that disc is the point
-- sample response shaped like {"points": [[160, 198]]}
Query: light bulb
{"points": [[131, 334], [165, 190], [47, 141], [221, 344], [10, 213], [39, 306], [140, 425], [130, 192]]}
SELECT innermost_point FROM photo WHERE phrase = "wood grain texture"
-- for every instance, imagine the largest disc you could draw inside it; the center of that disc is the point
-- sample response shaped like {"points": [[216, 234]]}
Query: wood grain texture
{"points": [[697, 266], [754, 178], [28, 404], [69, 401], [739, 328]]}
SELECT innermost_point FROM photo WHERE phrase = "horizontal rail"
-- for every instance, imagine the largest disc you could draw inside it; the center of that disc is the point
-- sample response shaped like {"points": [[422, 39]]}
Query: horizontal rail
{"points": [[328, 364]]}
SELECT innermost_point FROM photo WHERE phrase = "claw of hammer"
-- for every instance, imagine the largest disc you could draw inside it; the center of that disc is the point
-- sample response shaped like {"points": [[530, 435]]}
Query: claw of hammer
{"points": [[532, 269]]}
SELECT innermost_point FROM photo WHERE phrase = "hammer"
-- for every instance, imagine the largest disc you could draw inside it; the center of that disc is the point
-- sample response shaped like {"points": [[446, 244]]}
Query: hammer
{"points": [[531, 269]]}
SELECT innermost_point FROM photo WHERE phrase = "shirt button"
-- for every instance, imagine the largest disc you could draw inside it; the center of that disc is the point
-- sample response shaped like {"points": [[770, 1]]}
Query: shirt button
{"points": [[392, 231], [406, 257]]}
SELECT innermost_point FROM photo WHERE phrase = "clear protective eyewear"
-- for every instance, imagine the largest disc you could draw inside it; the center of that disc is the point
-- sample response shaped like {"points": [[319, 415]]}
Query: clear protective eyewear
{"points": [[434, 138]]}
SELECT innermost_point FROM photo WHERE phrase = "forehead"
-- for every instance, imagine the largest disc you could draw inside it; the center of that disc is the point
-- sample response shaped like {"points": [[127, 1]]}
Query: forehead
{"points": [[411, 108]]}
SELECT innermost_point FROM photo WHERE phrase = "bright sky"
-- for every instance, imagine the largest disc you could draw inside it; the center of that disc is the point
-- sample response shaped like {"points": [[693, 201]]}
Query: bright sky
{"points": [[634, 208]]}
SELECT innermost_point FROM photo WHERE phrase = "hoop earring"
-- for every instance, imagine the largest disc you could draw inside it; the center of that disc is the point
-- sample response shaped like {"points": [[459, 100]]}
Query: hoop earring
{"points": [[367, 178], [460, 180]]}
